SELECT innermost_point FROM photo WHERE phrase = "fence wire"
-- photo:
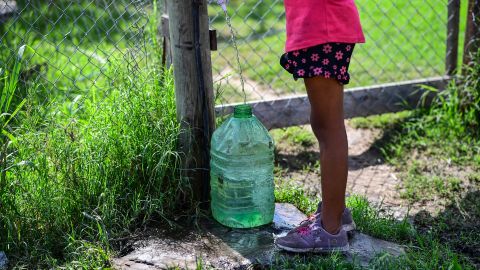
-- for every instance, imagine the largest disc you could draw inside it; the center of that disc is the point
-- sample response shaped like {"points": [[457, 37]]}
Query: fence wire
{"points": [[75, 43], [71, 45], [405, 40]]}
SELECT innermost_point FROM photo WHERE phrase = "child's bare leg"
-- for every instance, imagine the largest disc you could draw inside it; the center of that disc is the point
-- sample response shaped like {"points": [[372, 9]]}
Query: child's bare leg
{"points": [[327, 120]]}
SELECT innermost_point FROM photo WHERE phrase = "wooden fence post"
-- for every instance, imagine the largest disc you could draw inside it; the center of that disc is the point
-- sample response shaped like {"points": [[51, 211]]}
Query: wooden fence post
{"points": [[453, 24], [472, 32], [167, 51], [190, 44]]}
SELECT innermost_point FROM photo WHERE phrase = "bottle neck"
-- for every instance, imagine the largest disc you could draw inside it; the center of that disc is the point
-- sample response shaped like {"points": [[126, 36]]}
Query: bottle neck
{"points": [[242, 111]]}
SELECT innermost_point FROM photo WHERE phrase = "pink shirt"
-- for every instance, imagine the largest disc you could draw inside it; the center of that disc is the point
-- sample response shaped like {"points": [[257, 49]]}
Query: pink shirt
{"points": [[313, 22]]}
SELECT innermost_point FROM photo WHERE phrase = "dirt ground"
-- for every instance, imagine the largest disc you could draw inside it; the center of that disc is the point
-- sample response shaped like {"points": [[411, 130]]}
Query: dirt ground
{"points": [[368, 174]]}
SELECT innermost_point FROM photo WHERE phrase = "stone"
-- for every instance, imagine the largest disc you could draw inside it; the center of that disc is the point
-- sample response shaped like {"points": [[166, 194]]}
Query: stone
{"points": [[218, 246], [3, 260], [287, 216], [226, 248], [363, 248]]}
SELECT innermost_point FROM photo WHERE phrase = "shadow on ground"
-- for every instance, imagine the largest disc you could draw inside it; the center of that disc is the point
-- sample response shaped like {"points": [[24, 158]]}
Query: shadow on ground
{"points": [[457, 225]]}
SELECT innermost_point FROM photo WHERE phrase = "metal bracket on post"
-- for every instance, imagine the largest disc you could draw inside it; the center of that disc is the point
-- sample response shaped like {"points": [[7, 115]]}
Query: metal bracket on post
{"points": [[167, 52], [213, 39]]}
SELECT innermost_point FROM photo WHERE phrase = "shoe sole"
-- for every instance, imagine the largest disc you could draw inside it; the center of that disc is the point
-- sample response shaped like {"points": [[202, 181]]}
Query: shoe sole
{"points": [[315, 250]]}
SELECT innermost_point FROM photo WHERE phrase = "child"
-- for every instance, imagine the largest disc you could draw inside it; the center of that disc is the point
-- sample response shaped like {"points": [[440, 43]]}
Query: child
{"points": [[321, 35]]}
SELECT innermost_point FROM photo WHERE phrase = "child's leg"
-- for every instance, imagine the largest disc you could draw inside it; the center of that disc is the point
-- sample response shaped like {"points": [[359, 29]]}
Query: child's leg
{"points": [[327, 120]]}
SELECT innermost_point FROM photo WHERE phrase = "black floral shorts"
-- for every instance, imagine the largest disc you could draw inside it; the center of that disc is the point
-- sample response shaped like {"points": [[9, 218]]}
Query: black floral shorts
{"points": [[329, 60]]}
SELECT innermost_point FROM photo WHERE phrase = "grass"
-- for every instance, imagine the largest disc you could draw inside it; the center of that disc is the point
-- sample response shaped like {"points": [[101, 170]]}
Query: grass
{"points": [[8, 110], [396, 48], [93, 176], [453, 117], [89, 134], [422, 188], [381, 121], [424, 250], [92, 152], [427, 146], [74, 44], [294, 136]]}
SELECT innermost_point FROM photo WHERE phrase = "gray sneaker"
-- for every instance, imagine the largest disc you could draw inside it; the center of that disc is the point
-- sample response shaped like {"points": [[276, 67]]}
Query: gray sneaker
{"points": [[347, 220], [313, 238]]}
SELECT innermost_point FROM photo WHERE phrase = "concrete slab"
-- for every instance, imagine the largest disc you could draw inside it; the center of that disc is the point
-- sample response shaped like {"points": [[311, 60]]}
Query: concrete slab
{"points": [[225, 248]]}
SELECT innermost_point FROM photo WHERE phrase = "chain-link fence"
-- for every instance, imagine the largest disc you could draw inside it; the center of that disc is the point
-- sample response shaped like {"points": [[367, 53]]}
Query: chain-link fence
{"points": [[74, 43], [71, 45], [405, 40], [407, 43], [75, 46]]}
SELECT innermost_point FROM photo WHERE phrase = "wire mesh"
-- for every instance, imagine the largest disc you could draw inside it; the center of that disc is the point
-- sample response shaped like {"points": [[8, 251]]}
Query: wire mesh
{"points": [[405, 41], [72, 44], [60, 62]]}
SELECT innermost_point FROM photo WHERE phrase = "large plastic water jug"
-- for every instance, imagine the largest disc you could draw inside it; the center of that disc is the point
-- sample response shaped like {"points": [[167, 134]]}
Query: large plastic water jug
{"points": [[242, 156]]}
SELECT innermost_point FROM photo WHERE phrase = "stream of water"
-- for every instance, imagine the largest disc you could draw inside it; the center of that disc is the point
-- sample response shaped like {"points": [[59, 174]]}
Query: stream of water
{"points": [[234, 42]]}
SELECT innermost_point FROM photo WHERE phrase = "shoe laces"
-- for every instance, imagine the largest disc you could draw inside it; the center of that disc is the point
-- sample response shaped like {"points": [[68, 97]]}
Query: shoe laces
{"points": [[310, 218], [304, 230]]}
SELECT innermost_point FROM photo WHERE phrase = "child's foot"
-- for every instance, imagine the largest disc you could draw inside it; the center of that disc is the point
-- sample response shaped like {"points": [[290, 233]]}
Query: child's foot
{"points": [[347, 220], [313, 238]]}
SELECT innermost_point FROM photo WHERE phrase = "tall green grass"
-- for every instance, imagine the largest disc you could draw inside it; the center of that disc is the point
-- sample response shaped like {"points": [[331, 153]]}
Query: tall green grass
{"points": [[8, 87], [450, 127], [84, 178], [92, 148], [8, 110]]}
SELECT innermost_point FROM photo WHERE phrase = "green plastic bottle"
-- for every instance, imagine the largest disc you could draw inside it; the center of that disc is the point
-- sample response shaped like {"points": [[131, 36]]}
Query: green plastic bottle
{"points": [[242, 155]]}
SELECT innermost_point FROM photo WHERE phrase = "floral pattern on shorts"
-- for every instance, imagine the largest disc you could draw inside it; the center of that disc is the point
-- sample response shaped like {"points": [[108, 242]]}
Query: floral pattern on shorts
{"points": [[329, 60]]}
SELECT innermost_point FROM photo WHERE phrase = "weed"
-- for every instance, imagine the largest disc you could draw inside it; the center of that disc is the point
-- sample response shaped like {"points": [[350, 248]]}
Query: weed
{"points": [[94, 174], [294, 136], [420, 187], [288, 193], [382, 121], [7, 114], [370, 221], [426, 252], [449, 127], [423, 248], [304, 262]]}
